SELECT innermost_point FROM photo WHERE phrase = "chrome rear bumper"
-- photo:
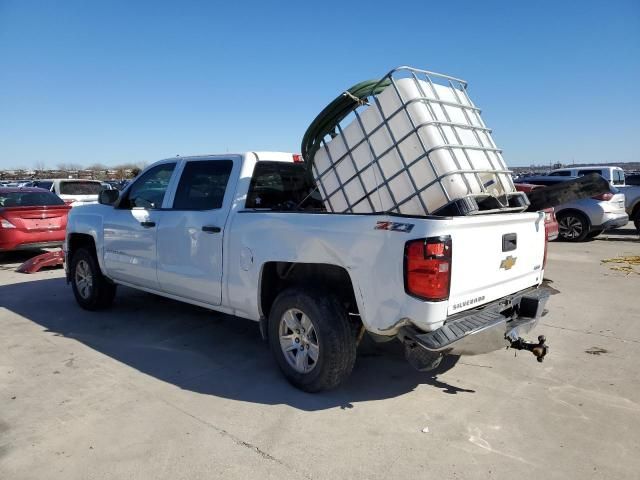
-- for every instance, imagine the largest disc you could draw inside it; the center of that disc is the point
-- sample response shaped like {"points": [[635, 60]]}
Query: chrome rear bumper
{"points": [[495, 326]]}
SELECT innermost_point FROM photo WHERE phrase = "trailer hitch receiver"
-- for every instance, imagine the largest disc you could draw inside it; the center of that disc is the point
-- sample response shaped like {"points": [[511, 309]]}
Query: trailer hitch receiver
{"points": [[539, 349]]}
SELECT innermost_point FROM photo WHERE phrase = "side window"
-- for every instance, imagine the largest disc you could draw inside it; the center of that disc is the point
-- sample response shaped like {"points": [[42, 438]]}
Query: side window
{"points": [[148, 190], [618, 177], [582, 173], [202, 185], [562, 173]]}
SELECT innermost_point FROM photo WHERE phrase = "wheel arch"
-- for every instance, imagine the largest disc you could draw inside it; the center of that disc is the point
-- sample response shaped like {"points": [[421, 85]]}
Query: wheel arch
{"points": [[276, 276], [76, 241], [575, 211]]}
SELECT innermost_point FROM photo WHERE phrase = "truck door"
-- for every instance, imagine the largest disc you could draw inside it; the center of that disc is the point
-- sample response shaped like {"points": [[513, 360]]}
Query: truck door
{"points": [[190, 234], [130, 229]]}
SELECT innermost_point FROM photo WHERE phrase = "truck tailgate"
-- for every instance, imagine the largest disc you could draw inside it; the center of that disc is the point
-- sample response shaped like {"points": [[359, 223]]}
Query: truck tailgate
{"points": [[494, 256]]}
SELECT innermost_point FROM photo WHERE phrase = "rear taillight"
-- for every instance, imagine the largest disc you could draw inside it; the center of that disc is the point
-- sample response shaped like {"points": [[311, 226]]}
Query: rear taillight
{"points": [[4, 223], [297, 158], [604, 196], [427, 268]]}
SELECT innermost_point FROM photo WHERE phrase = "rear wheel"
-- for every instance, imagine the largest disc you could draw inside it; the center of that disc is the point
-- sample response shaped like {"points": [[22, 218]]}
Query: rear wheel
{"points": [[574, 227], [635, 218], [311, 338], [92, 289]]}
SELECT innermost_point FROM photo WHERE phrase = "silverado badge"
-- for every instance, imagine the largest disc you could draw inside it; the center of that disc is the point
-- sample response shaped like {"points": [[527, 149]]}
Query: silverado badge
{"points": [[508, 262]]}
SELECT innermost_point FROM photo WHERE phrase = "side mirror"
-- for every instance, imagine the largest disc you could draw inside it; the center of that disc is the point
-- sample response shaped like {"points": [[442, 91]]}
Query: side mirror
{"points": [[108, 197]]}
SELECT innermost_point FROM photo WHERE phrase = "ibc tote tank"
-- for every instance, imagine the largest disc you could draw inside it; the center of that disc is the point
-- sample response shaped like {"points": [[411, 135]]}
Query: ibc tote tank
{"points": [[419, 147]]}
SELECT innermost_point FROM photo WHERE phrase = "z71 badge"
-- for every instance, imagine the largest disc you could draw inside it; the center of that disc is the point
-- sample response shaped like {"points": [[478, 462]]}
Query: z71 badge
{"points": [[394, 226]]}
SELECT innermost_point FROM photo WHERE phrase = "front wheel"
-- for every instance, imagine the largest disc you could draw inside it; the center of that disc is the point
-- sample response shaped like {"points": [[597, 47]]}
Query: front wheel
{"points": [[311, 338], [574, 227], [92, 290]]}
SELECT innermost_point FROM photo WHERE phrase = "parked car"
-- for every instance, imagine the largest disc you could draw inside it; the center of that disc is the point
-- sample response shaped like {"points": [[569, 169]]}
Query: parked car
{"points": [[72, 190], [617, 179], [243, 234], [550, 222], [633, 179], [588, 217], [613, 175], [31, 218]]}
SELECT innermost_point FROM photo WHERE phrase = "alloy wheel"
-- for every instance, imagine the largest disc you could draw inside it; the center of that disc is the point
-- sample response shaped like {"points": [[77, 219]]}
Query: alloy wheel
{"points": [[570, 227], [84, 279], [299, 340]]}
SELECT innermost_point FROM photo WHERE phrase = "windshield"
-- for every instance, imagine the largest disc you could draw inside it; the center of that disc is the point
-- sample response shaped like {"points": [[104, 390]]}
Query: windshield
{"points": [[80, 188], [29, 199]]}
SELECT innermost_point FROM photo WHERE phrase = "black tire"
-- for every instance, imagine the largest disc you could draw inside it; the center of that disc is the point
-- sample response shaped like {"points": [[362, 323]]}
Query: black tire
{"points": [[573, 226], [635, 217], [332, 333], [101, 292], [594, 233]]}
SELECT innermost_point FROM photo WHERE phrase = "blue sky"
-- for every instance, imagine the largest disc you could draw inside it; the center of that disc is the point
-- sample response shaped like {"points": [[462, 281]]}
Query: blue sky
{"points": [[136, 81]]}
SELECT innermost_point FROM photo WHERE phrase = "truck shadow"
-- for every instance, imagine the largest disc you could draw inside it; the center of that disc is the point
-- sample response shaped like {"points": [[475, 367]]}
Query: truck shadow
{"points": [[207, 352]]}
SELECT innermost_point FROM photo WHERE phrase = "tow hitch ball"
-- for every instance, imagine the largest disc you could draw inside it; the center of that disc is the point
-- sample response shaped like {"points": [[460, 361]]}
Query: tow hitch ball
{"points": [[539, 349]]}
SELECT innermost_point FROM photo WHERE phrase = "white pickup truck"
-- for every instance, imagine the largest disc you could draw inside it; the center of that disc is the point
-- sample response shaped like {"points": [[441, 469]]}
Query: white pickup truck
{"points": [[244, 234]]}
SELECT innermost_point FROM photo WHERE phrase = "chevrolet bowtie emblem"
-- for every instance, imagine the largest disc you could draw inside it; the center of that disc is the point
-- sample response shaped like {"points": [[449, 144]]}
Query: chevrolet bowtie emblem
{"points": [[508, 262]]}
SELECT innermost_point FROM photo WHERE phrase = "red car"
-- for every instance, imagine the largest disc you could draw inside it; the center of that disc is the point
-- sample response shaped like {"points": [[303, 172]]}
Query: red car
{"points": [[550, 222], [31, 218]]}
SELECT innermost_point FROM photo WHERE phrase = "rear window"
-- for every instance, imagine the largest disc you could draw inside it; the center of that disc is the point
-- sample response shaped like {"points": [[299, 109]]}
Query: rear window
{"points": [[80, 188], [41, 184], [202, 185], [29, 199], [282, 186]]}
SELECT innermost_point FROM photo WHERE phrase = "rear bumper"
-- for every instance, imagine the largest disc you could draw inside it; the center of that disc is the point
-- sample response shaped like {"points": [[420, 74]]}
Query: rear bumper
{"points": [[486, 330], [617, 220], [19, 239], [8, 247]]}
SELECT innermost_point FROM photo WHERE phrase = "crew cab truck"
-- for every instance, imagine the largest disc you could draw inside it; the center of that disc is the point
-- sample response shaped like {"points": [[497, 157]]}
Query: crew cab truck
{"points": [[246, 235]]}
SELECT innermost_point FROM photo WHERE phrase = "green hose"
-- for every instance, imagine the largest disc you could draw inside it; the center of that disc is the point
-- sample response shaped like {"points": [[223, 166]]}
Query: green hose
{"points": [[325, 123]]}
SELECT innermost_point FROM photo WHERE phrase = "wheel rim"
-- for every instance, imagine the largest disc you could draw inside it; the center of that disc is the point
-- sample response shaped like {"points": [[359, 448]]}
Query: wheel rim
{"points": [[570, 227], [299, 340], [84, 279]]}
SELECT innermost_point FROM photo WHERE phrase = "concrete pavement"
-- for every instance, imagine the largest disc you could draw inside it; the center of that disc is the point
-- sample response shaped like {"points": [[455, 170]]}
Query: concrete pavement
{"points": [[157, 389]]}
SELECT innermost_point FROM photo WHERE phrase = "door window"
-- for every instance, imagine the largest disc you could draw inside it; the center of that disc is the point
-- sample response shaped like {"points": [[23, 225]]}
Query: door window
{"points": [[202, 185], [148, 191]]}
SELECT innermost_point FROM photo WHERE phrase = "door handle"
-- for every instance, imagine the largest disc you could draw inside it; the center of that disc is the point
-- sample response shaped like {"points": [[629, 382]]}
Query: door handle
{"points": [[211, 229], [148, 224]]}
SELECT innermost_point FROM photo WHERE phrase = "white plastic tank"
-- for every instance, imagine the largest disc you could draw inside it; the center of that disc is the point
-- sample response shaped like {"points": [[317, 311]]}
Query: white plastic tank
{"points": [[416, 163]]}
